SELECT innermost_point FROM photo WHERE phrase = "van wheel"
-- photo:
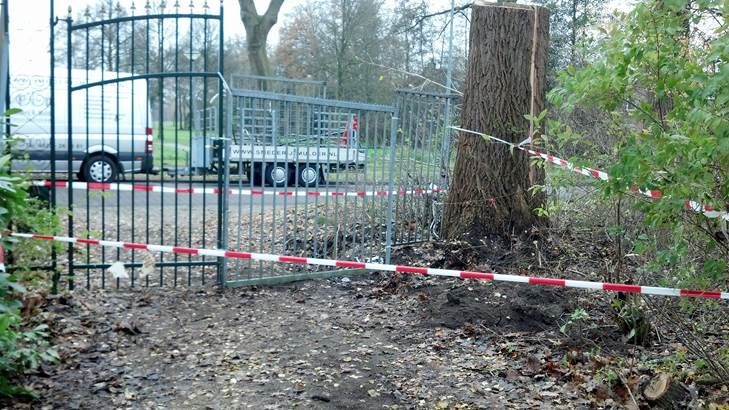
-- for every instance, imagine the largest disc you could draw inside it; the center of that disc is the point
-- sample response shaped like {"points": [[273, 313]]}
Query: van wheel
{"points": [[308, 175], [100, 168]]}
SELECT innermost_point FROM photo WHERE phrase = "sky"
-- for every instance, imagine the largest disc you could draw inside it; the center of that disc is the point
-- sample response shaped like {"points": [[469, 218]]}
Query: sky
{"points": [[29, 22]]}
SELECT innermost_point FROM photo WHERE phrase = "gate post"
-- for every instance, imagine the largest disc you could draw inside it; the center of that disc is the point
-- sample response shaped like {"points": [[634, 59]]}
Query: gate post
{"points": [[69, 146], [390, 187], [222, 153], [4, 67], [54, 263]]}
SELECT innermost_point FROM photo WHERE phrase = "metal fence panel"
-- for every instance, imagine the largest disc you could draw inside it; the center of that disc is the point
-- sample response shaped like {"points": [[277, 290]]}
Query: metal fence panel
{"points": [[423, 162], [319, 170]]}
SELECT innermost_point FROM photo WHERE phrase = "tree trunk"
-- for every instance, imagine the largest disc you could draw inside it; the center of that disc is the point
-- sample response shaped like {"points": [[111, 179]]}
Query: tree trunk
{"points": [[257, 55], [257, 28], [489, 194]]}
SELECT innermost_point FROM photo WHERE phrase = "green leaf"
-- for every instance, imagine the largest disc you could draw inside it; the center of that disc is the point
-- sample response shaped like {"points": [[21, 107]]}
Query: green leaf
{"points": [[12, 111]]}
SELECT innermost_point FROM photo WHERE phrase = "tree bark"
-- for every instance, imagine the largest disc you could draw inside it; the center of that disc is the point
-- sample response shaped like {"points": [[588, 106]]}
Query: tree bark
{"points": [[489, 193], [257, 28]]}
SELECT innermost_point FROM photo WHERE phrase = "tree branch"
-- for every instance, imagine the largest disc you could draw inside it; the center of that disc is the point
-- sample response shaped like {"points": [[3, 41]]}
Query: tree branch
{"points": [[271, 15], [250, 15], [421, 19], [248, 12]]}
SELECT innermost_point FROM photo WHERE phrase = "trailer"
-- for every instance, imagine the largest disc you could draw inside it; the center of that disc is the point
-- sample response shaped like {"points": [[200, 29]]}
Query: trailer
{"points": [[303, 166], [329, 144]]}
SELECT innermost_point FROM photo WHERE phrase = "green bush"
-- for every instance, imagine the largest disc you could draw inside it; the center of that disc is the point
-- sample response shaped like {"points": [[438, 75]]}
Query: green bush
{"points": [[660, 81], [21, 349], [661, 77]]}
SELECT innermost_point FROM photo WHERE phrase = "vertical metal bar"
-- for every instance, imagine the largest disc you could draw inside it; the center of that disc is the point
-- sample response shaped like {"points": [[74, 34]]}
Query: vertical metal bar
{"points": [[6, 56], [429, 173], [52, 25], [329, 114], [205, 139], [388, 237], [162, 144], [133, 125], [87, 194], [320, 171], [190, 151], [103, 142], [226, 183], [445, 148], [148, 120], [69, 123], [251, 179], [224, 168], [316, 116], [177, 136], [274, 144], [118, 145]]}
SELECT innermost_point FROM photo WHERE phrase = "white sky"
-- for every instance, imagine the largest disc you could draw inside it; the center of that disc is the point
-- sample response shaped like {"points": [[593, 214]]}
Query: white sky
{"points": [[29, 22]]}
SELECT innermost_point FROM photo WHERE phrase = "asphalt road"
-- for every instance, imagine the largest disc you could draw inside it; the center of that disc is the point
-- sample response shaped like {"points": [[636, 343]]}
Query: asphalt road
{"points": [[169, 201]]}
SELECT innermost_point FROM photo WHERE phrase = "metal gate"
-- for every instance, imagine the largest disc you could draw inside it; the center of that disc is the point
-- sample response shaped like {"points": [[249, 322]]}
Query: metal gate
{"points": [[124, 125], [162, 144]]}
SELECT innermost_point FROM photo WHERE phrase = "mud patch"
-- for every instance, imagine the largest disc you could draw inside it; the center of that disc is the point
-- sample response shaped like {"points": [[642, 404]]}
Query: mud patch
{"points": [[508, 306]]}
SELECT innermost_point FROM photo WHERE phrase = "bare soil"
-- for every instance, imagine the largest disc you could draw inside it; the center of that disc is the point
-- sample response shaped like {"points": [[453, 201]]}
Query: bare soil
{"points": [[370, 341]]}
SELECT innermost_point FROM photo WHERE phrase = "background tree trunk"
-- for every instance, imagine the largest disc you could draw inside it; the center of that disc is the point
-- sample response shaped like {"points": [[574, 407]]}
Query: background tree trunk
{"points": [[507, 63], [257, 28]]}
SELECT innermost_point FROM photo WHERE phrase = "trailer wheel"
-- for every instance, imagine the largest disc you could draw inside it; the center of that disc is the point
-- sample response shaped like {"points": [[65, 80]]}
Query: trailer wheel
{"points": [[277, 174], [308, 175], [254, 173]]}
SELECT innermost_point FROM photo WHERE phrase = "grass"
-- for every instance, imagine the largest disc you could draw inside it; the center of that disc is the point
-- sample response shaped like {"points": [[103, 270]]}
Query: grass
{"points": [[413, 166], [171, 146], [171, 149]]}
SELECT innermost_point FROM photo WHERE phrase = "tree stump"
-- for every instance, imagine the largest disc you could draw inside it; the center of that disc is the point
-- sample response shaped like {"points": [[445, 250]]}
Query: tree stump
{"points": [[663, 392]]}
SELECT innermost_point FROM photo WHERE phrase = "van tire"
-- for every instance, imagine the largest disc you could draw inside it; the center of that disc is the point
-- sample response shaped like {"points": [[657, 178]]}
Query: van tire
{"points": [[100, 169]]}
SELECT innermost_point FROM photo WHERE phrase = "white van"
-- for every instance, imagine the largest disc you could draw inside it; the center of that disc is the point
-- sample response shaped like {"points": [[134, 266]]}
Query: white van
{"points": [[111, 132]]}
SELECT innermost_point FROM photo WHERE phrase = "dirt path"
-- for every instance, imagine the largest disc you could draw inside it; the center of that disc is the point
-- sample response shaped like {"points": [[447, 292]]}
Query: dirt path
{"points": [[324, 344]]}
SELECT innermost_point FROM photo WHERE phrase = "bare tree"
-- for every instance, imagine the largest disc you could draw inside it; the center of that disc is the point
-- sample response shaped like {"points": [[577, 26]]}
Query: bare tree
{"points": [[257, 28]]}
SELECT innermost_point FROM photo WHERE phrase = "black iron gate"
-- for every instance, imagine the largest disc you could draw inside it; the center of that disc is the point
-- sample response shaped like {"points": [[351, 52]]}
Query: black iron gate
{"points": [[123, 142]]}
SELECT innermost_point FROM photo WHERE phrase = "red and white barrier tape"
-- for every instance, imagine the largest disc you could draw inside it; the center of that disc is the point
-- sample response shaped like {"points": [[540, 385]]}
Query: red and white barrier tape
{"points": [[697, 207], [568, 283], [114, 186]]}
